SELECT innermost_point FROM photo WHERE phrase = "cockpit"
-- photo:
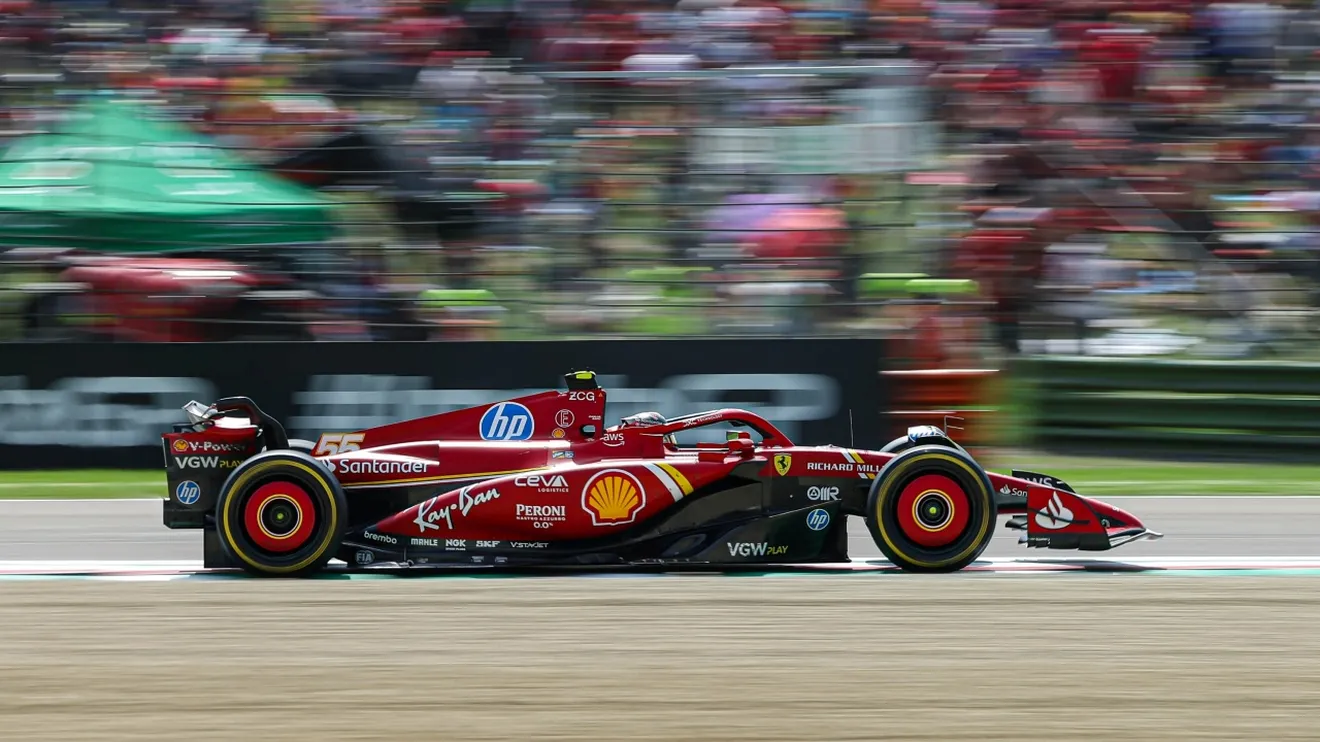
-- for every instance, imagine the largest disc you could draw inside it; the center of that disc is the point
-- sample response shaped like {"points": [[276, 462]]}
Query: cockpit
{"points": [[649, 420]]}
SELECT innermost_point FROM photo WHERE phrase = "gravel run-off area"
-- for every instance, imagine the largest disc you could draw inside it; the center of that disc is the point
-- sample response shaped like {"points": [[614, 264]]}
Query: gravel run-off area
{"points": [[718, 659]]}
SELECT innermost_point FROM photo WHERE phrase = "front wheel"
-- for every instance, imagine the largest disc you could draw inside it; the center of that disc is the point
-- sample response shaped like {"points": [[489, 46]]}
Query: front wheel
{"points": [[280, 513], [931, 509]]}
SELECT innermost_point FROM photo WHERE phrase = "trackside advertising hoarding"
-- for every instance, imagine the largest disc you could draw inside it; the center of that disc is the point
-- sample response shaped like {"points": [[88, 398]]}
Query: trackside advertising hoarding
{"points": [[104, 405]]}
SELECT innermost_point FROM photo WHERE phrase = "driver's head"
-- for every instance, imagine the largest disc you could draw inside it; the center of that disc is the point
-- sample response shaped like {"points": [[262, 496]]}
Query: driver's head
{"points": [[644, 420], [648, 420]]}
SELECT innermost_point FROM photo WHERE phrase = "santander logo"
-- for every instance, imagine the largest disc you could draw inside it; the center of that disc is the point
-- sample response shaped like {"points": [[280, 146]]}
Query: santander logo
{"points": [[1055, 515]]}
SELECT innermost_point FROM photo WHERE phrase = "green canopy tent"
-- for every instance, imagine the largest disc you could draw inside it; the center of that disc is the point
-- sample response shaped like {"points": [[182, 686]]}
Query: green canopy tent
{"points": [[113, 179]]}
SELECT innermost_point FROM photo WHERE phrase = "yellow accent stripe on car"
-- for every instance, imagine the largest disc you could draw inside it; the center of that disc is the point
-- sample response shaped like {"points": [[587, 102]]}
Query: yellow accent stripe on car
{"points": [[852, 457], [683, 484]]}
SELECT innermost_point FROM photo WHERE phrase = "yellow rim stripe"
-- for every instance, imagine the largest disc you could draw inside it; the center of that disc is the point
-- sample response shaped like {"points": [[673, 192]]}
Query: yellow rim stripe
{"points": [[296, 524], [917, 517]]}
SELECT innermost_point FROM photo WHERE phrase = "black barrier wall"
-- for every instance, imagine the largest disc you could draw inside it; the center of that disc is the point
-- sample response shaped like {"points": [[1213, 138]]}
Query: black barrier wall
{"points": [[105, 405]]}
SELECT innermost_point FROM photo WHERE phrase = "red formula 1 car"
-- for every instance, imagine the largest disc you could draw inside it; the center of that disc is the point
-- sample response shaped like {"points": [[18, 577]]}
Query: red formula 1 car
{"points": [[541, 481]]}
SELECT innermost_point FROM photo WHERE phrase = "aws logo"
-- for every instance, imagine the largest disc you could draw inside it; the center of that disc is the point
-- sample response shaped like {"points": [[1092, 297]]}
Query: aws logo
{"points": [[613, 497]]}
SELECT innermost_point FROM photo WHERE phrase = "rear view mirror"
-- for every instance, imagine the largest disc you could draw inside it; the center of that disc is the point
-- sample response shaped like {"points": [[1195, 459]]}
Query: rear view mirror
{"points": [[741, 446]]}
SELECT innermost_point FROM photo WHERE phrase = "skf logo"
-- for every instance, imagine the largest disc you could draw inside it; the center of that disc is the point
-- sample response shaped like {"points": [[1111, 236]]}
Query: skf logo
{"points": [[783, 462], [180, 445], [613, 497]]}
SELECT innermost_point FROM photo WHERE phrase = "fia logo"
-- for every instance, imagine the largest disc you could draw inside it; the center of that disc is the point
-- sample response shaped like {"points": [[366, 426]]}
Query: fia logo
{"points": [[507, 421]]}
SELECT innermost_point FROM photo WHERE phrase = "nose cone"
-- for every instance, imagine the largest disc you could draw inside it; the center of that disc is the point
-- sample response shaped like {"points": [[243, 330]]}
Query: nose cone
{"points": [[1109, 515], [1064, 520], [1120, 526]]}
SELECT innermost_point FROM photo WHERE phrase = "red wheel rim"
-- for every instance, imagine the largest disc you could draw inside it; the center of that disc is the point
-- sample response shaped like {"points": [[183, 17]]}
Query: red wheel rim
{"points": [[933, 510], [279, 517]]}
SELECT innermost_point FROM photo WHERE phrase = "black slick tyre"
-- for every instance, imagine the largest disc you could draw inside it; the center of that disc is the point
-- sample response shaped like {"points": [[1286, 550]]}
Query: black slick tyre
{"points": [[931, 509], [281, 514]]}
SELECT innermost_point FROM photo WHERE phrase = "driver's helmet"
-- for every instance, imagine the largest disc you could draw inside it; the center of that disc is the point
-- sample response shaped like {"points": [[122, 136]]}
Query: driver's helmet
{"points": [[648, 420]]}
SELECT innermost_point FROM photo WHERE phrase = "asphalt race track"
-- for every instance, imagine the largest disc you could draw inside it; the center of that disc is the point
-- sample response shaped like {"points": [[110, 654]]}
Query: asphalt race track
{"points": [[131, 530], [692, 659], [1205, 654]]}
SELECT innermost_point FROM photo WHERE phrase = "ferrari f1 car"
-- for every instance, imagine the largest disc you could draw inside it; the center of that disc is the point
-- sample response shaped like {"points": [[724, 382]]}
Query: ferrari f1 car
{"points": [[541, 481]]}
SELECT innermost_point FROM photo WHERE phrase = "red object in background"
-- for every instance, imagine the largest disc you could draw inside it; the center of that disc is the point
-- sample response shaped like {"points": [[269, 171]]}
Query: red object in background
{"points": [[988, 255], [157, 299], [799, 233], [1117, 58]]}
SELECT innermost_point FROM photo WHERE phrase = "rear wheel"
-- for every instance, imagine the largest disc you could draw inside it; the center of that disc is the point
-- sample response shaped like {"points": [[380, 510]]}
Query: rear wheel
{"points": [[281, 514], [931, 509]]}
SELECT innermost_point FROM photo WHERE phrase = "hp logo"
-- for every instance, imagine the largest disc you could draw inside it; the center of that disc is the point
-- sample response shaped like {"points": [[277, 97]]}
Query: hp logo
{"points": [[818, 520], [187, 493], [507, 421]]}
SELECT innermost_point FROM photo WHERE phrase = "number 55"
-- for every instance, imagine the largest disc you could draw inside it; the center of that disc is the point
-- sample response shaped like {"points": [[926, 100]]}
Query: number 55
{"points": [[333, 443]]}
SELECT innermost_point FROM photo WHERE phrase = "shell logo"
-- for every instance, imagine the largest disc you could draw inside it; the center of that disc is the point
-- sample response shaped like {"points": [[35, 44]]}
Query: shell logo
{"points": [[613, 497], [180, 445]]}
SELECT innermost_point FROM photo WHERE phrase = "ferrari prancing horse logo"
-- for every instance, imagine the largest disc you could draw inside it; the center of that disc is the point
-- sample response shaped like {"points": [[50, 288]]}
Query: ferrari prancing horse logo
{"points": [[783, 462]]}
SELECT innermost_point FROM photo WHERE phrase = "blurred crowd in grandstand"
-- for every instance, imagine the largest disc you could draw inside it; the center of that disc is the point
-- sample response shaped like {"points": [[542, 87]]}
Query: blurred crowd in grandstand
{"points": [[1116, 176]]}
